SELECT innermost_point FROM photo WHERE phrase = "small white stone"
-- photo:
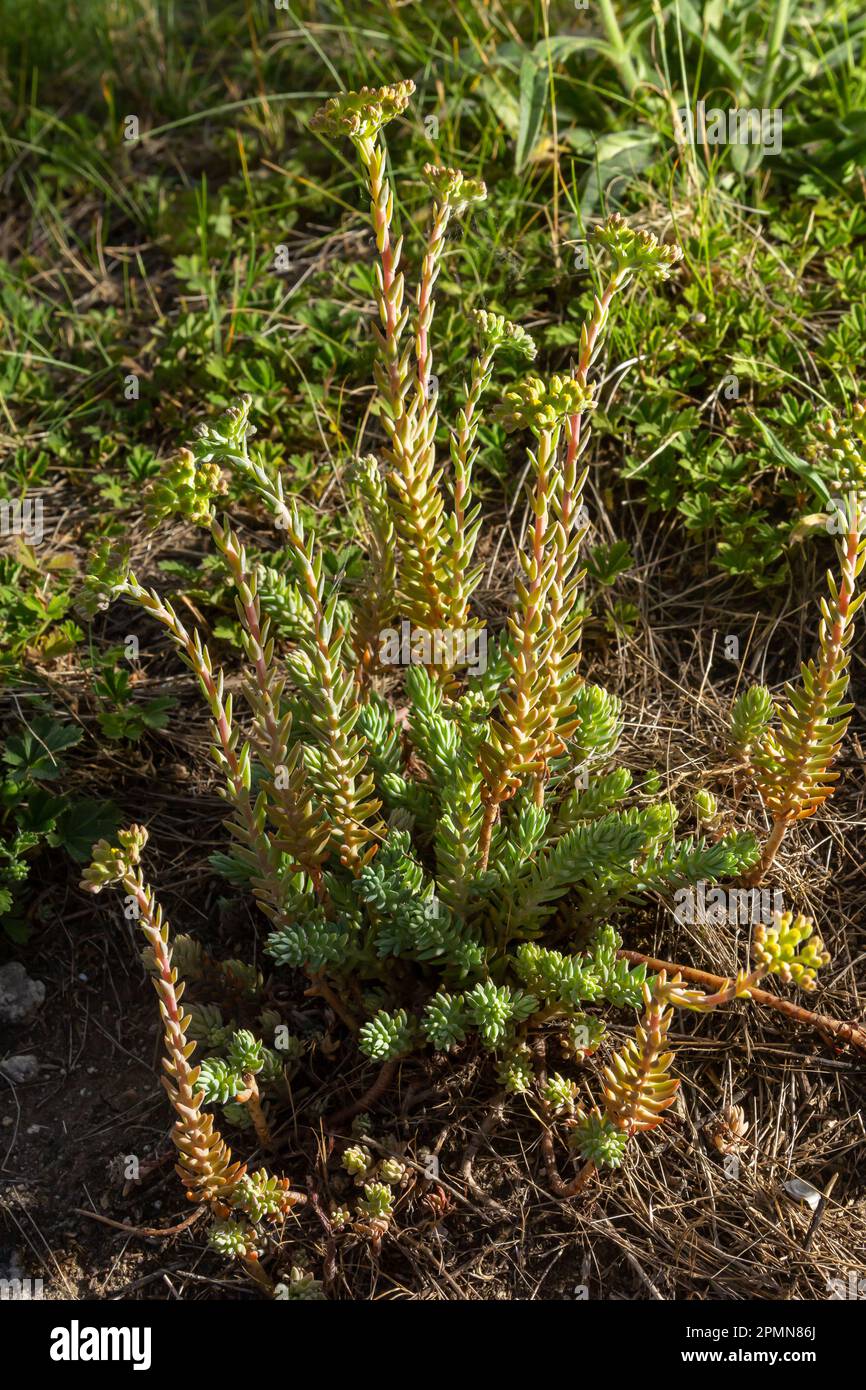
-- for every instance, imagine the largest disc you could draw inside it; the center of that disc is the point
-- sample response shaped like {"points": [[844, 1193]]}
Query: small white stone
{"points": [[20, 1069], [803, 1191]]}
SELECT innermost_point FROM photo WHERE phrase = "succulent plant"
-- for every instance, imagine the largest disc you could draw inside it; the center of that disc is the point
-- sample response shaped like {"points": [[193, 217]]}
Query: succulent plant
{"points": [[427, 862]]}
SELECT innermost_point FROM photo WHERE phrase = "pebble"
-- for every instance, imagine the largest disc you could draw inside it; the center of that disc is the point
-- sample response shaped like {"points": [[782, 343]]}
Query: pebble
{"points": [[20, 997], [18, 1070]]}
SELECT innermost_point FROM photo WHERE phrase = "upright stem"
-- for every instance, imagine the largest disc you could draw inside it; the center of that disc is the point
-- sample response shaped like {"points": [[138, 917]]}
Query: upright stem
{"points": [[248, 826], [250, 614], [525, 732], [798, 768], [491, 811], [206, 1166], [768, 853], [463, 522], [621, 59], [344, 762], [561, 598], [589, 339], [390, 290], [251, 1098], [426, 284]]}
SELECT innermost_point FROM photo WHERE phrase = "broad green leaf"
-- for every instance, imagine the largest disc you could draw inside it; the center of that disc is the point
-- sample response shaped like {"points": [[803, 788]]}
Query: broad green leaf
{"points": [[38, 810], [82, 823], [34, 752]]}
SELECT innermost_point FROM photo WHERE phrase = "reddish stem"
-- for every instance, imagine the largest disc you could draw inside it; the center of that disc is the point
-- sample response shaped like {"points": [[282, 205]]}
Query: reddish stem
{"points": [[850, 1033]]}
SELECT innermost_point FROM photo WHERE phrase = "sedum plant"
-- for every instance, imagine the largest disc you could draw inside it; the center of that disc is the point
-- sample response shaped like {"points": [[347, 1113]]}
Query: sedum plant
{"points": [[444, 856], [210, 1174], [789, 744], [637, 1087]]}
